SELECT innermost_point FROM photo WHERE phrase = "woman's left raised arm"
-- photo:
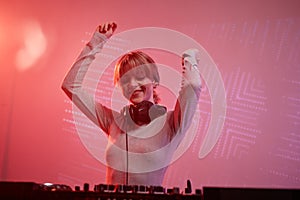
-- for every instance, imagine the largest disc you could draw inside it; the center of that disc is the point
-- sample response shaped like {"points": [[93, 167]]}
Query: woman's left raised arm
{"points": [[189, 94]]}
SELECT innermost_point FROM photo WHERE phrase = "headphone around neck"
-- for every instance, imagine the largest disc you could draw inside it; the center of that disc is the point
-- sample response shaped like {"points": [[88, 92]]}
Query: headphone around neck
{"points": [[146, 111]]}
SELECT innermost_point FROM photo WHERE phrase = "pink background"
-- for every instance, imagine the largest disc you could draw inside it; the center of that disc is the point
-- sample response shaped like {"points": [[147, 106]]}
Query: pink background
{"points": [[254, 43]]}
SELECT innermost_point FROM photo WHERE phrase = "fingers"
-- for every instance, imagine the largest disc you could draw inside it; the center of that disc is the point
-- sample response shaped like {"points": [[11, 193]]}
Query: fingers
{"points": [[107, 27], [114, 26], [191, 56], [102, 28]]}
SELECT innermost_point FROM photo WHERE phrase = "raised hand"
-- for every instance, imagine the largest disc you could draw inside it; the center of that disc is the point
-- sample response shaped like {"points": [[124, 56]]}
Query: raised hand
{"points": [[191, 56], [107, 28]]}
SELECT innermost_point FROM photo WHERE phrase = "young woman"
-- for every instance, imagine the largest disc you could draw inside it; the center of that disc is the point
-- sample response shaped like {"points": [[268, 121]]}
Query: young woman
{"points": [[144, 135]]}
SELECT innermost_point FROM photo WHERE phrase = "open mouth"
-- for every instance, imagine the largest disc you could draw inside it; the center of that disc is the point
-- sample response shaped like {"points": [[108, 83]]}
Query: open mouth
{"points": [[137, 92]]}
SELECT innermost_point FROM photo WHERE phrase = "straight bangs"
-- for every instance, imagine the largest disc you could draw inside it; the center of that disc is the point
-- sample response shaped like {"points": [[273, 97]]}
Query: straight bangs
{"points": [[136, 59]]}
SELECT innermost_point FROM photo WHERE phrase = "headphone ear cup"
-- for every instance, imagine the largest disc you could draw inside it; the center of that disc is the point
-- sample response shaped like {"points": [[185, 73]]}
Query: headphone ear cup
{"points": [[140, 113], [157, 111], [145, 112]]}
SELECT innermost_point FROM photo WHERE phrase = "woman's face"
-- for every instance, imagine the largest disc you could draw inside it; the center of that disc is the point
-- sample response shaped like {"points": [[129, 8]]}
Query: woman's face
{"points": [[136, 86]]}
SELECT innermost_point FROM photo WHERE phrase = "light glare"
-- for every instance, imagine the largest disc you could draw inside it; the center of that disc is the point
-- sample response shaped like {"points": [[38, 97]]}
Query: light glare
{"points": [[35, 44]]}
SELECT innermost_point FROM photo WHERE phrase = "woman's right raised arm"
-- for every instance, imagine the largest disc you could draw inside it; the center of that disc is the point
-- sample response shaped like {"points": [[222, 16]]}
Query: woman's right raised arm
{"points": [[72, 84]]}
